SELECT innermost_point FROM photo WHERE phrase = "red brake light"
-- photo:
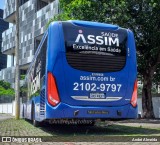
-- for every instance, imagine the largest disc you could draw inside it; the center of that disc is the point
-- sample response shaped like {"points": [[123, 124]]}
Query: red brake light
{"points": [[53, 97], [134, 95]]}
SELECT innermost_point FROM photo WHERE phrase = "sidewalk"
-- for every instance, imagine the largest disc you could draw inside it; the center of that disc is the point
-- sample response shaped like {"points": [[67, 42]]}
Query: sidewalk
{"points": [[145, 123], [5, 116]]}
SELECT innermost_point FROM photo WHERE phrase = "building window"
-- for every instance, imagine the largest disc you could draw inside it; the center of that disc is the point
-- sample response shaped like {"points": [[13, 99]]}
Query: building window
{"points": [[21, 2], [37, 42], [41, 4]]}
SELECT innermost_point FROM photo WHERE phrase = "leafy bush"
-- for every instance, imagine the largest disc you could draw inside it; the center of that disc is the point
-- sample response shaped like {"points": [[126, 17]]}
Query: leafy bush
{"points": [[5, 89], [22, 77]]}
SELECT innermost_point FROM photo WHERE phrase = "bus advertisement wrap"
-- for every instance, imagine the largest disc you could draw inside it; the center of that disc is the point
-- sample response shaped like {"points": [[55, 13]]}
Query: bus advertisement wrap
{"points": [[82, 71]]}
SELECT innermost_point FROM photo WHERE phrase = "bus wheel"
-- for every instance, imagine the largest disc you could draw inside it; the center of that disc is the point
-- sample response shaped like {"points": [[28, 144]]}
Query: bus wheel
{"points": [[34, 122]]}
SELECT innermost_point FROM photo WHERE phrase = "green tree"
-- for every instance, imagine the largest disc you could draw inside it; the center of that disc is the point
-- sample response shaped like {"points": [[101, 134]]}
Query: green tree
{"points": [[5, 89], [145, 22], [110, 11], [142, 17]]}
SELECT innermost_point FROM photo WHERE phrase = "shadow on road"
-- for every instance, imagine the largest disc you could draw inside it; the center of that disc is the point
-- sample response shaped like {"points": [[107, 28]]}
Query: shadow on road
{"points": [[98, 130]]}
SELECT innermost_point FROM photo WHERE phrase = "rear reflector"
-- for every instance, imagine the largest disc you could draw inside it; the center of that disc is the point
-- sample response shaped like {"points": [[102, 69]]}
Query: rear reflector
{"points": [[53, 97], [134, 95]]}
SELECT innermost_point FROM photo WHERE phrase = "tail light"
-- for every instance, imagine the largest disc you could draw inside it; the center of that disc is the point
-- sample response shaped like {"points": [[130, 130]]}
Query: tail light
{"points": [[134, 95], [53, 97]]}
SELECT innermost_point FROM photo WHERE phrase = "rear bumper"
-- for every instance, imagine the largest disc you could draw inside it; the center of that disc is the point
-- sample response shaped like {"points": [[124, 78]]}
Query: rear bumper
{"points": [[65, 111]]}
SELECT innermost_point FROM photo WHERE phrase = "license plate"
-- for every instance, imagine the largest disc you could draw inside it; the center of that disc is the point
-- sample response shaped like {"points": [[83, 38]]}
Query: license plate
{"points": [[97, 112], [97, 96]]}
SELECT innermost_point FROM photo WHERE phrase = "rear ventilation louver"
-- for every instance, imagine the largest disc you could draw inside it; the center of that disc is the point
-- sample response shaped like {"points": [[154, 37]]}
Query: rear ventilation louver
{"points": [[42, 102], [95, 63]]}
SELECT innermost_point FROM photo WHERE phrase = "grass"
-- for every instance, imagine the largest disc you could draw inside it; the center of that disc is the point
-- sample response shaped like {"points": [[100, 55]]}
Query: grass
{"points": [[99, 132]]}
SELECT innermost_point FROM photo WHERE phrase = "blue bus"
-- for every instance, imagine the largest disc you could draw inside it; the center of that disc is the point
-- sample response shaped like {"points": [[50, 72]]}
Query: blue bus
{"points": [[82, 71]]}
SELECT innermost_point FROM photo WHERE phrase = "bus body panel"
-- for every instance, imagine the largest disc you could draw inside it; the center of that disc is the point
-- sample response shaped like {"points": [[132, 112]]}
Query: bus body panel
{"points": [[74, 89], [65, 111], [54, 60], [72, 76]]}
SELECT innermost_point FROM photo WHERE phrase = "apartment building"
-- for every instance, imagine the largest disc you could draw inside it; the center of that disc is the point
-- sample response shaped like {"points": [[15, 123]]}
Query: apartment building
{"points": [[33, 17], [3, 26]]}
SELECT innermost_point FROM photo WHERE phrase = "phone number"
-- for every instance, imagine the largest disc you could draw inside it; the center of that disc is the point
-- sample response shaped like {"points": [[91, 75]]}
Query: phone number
{"points": [[93, 87]]}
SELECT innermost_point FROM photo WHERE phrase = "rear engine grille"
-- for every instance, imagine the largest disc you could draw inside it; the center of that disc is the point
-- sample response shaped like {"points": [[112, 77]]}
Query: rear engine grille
{"points": [[95, 63]]}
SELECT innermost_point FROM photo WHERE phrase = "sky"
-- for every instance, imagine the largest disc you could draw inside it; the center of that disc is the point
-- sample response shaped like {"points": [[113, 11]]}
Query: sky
{"points": [[2, 4]]}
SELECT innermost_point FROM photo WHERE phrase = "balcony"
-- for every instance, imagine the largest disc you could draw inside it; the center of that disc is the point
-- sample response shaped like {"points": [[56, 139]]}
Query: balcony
{"points": [[47, 1], [8, 75], [8, 41], [9, 11], [43, 16]]}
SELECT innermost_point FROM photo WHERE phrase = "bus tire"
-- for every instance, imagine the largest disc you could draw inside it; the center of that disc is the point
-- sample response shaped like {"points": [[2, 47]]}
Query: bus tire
{"points": [[34, 122]]}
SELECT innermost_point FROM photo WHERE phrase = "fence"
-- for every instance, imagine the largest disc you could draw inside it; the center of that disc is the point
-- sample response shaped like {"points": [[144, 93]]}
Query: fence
{"points": [[6, 99], [6, 108], [9, 108], [156, 106]]}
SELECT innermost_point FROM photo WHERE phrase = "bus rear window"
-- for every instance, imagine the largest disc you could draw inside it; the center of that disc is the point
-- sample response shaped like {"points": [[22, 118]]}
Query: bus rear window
{"points": [[93, 49]]}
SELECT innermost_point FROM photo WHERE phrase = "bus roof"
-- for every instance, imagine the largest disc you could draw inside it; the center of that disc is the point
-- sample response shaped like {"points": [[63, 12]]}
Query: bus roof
{"points": [[90, 24], [93, 24]]}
